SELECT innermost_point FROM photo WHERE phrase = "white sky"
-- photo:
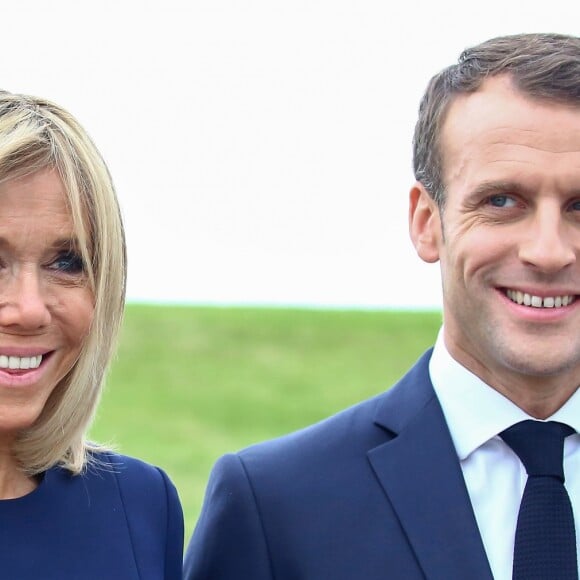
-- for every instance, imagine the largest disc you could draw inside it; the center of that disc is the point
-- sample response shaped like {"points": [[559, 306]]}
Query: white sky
{"points": [[261, 149]]}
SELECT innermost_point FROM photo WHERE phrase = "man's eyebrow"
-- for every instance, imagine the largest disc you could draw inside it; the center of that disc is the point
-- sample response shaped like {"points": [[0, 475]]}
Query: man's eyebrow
{"points": [[506, 187], [499, 188]]}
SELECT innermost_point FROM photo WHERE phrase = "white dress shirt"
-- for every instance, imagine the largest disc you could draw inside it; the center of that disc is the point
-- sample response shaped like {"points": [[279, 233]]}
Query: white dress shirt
{"points": [[495, 477]]}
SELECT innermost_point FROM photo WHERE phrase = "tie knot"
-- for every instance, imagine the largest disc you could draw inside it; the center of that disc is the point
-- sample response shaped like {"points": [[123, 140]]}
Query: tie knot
{"points": [[539, 445]]}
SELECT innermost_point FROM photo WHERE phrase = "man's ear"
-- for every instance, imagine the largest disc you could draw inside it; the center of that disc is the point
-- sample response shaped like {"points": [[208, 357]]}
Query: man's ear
{"points": [[424, 223]]}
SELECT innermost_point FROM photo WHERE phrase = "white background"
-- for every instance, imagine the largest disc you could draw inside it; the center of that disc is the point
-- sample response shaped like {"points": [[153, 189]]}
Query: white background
{"points": [[261, 149]]}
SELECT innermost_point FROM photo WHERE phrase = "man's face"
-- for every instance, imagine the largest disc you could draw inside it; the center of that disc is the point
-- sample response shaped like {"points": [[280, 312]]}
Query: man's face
{"points": [[508, 238]]}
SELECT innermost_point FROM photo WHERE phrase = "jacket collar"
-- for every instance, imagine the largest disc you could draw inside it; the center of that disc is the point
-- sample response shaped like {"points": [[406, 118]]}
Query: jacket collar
{"points": [[420, 473]]}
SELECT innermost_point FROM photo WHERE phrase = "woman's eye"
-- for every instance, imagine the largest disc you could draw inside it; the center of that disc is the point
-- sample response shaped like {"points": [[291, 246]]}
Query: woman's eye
{"points": [[68, 262], [502, 201], [576, 205]]}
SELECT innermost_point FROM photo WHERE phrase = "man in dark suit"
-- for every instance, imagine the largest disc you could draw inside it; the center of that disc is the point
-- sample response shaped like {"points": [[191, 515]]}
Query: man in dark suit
{"points": [[423, 481]]}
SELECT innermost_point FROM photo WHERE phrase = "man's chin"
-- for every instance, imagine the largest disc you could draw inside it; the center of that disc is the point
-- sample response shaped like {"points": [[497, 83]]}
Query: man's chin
{"points": [[542, 362]]}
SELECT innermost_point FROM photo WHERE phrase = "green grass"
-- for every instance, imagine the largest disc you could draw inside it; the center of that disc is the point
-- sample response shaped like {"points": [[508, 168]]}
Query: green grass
{"points": [[192, 383]]}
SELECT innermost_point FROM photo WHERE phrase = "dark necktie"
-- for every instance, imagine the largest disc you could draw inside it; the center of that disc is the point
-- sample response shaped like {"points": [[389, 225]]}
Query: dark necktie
{"points": [[545, 543]]}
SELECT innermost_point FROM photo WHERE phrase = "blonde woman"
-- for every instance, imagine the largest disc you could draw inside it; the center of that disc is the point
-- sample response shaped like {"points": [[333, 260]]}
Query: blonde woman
{"points": [[69, 509]]}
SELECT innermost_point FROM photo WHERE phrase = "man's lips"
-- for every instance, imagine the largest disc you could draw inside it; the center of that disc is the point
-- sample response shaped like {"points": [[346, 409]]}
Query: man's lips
{"points": [[536, 301]]}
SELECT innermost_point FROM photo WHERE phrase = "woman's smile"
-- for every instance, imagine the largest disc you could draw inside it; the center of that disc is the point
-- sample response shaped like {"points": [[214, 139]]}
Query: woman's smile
{"points": [[46, 305]]}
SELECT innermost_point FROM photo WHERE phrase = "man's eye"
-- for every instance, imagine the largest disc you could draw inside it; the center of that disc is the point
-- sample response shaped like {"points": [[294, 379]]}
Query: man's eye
{"points": [[68, 262], [502, 201]]}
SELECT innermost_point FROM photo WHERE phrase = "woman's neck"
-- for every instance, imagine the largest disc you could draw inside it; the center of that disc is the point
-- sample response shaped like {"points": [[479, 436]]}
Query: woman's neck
{"points": [[14, 482]]}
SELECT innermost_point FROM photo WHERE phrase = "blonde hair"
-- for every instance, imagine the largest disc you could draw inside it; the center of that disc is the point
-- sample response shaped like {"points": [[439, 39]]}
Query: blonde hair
{"points": [[36, 134]]}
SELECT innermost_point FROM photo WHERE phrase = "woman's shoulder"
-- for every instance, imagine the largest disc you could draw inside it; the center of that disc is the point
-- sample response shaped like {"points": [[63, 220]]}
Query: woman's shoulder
{"points": [[134, 477], [124, 502], [139, 486], [143, 492], [100, 463]]}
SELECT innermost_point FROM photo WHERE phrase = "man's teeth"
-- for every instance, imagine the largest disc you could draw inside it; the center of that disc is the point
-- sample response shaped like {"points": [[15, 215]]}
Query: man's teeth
{"points": [[538, 301], [20, 362]]}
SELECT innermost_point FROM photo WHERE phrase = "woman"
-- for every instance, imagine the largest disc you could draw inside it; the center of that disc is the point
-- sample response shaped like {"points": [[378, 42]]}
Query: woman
{"points": [[68, 508]]}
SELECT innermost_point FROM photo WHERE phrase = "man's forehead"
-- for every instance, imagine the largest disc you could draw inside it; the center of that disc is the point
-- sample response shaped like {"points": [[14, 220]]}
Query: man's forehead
{"points": [[499, 113]]}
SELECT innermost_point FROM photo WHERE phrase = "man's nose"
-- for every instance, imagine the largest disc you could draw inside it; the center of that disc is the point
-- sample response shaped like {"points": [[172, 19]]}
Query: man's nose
{"points": [[23, 302], [551, 243]]}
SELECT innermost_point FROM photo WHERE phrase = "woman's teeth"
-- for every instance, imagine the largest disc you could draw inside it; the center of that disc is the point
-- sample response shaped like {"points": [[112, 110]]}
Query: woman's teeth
{"points": [[20, 362]]}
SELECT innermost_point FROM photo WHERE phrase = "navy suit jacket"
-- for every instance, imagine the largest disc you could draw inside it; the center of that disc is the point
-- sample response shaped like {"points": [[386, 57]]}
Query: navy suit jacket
{"points": [[375, 492], [120, 520]]}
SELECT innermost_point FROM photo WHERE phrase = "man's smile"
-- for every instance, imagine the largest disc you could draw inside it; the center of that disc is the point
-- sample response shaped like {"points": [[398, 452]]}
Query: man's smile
{"points": [[539, 301]]}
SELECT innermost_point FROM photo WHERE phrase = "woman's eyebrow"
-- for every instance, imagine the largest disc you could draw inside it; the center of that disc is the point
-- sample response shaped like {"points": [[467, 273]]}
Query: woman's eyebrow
{"points": [[69, 243], [60, 244]]}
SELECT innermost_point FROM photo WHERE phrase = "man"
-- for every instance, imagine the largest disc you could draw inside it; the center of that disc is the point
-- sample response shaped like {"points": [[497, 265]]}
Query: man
{"points": [[423, 481]]}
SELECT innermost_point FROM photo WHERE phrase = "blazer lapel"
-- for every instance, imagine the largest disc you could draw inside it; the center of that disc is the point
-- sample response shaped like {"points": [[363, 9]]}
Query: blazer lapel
{"points": [[420, 473]]}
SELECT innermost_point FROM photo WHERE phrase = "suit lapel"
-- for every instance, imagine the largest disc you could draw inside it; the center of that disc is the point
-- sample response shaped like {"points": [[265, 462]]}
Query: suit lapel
{"points": [[421, 475]]}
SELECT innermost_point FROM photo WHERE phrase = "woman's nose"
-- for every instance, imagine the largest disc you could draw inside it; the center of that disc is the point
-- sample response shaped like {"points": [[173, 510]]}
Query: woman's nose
{"points": [[23, 303]]}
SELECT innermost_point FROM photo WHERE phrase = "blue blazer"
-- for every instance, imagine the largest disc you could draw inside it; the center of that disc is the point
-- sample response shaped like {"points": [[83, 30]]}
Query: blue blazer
{"points": [[375, 492], [120, 521]]}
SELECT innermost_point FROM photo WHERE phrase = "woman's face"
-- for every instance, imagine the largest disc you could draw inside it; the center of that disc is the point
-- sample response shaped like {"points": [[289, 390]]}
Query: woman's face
{"points": [[46, 306]]}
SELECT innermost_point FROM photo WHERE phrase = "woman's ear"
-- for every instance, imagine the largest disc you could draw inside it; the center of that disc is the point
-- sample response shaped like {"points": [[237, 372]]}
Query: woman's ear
{"points": [[424, 223]]}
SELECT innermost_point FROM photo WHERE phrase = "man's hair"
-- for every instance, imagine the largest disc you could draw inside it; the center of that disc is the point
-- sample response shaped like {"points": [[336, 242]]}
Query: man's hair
{"points": [[542, 66], [36, 134]]}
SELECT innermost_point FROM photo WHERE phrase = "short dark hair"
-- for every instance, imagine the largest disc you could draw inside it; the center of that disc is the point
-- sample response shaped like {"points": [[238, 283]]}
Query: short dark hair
{"points": [[543, 66]]}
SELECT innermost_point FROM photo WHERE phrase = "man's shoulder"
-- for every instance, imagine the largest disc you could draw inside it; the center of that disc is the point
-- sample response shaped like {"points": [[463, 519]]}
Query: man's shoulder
{"points": [[349, 433], [283, 475], [335, 430]]}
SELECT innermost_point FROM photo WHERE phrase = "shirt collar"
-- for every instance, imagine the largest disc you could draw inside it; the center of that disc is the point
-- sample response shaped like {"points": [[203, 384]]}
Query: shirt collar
{"points": [[474, 411]]}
